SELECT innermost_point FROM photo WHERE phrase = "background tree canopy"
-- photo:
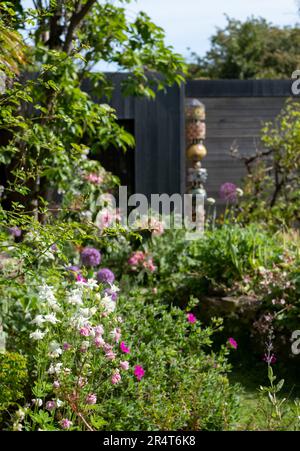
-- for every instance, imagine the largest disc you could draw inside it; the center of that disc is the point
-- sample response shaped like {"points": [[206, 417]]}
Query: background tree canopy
{"points": [[48, 124], [251, 49]]}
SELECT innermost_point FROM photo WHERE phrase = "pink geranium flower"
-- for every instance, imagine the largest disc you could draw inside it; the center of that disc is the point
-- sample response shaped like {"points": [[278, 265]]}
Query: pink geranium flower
{"points": [[116, 377], [232, 343], [124, 348], [191, 318], [65, 423]]}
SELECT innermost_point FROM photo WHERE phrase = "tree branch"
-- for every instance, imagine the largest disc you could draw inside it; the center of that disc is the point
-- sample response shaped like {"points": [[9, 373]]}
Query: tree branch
{"points": [[75, 21]]}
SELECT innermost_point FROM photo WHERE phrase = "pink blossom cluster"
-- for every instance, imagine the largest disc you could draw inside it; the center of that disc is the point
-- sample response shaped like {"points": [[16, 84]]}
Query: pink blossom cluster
{"points": [[107, 217], [140, 260], [94, 178]]}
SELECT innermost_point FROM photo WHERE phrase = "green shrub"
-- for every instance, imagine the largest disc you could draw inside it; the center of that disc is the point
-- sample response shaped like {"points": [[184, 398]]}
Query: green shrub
{"points": [[13, 378]]}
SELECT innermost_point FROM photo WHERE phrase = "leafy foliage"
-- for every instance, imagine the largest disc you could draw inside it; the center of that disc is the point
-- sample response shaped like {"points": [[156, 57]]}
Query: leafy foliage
{"points": [[251, 49]]}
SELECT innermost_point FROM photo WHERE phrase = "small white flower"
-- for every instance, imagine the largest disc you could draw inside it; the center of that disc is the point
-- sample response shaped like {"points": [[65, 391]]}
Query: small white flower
{"points": [[17, 427], [37, 335], [55, 368], [55, 349], [211, 201], [75, 297], [91, 283], [58, 403], [20, 414], [108, 304], [239, 192], [38, 320], [37, 402]]}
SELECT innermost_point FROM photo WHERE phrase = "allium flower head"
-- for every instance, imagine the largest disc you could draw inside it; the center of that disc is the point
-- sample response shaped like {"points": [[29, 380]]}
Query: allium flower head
{"points": [[90, 257], [15, 232], [228, 192], [105, 275], [50, 405], [139, 372]]}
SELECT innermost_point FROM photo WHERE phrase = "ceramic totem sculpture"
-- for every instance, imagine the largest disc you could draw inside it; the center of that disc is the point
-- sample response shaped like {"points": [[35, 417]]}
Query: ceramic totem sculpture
{"points": [[196, 151]]}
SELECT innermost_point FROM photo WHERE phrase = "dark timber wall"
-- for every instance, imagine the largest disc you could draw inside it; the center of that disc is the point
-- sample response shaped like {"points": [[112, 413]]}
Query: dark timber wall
{"points": [[159, 134], [235, 113]]}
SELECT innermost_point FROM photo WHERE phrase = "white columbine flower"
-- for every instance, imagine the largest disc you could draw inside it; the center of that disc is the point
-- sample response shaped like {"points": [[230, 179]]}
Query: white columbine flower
{"points": [[91, 283], [55, 368], [55, 349], [108, 303], [38, 320], [51, 318], [58, 403], [37, 335], [37, 402], [75, 297], [114, 288]]}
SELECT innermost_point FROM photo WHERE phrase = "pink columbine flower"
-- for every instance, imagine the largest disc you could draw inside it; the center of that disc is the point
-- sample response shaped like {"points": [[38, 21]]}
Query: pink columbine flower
{"points": [[110, 355], [99, 342], [107, 347], [124, 348], [91, 398], [124, 365], [56, 384], [232, 343], [191, 318], [65, 423], [85, 331], [116, 334], [139, 372], [116, 377], [50, 405], [99, 330]]}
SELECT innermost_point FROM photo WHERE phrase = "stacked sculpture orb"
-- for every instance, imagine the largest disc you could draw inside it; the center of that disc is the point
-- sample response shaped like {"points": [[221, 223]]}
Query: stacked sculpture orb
{"points": [[195, 152]]}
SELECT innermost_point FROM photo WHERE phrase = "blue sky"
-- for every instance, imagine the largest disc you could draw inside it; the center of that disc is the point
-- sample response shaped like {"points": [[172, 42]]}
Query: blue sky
{"points": [[190, 23]]}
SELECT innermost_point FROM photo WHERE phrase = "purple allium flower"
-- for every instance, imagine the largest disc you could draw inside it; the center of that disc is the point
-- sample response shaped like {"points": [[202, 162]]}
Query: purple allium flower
{"points": [[73, 268], [66, 346], [90, 256], [112, 294], [228, 192], [105, 275], [15, 231]]}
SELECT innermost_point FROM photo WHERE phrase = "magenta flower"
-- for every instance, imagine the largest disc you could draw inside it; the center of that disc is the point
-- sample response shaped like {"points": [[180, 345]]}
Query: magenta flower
{"points": [[228, 192], [80, 278], [65, 423], [191, 318], [91, 399], [66, 346], [232, 343], [105, 275], [124, 348], [124, 365], [90, 257], [270, 359], [116, 377], [139, 372]]}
